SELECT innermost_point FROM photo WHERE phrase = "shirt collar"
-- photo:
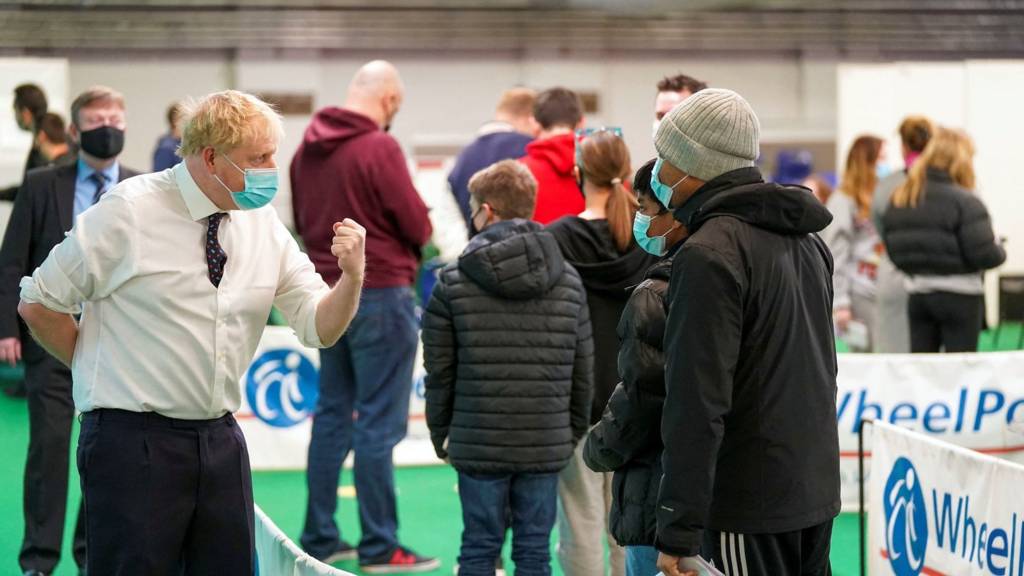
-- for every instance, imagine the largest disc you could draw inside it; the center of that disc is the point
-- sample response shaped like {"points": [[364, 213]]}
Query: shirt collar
{"points": [[198, 204], [85, 171]]}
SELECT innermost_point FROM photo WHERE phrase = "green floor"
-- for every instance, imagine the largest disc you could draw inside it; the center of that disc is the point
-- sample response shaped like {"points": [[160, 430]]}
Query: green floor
{"points": [[428, 505]]}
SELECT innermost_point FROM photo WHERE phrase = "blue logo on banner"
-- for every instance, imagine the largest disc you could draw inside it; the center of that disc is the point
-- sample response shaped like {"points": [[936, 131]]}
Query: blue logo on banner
{"points": [[282, 387], [906, 520]]}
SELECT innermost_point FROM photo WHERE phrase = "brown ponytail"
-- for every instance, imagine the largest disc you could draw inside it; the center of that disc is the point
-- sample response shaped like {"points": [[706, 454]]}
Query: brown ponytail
{"points": [[604, 160]]}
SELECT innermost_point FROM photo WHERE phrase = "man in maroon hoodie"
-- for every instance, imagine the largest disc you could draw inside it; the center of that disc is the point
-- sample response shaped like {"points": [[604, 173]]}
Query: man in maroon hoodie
{"points": [[552, 156], [349, 167]]}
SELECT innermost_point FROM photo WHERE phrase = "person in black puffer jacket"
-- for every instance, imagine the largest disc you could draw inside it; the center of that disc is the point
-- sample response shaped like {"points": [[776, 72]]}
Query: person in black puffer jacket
{"points": [[940, 235], [509, 358], [627, 439]]}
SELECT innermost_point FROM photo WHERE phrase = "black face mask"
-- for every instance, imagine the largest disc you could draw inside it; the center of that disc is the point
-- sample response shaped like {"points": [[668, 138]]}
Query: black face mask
{"points": [[473, 230], [104, 142]]}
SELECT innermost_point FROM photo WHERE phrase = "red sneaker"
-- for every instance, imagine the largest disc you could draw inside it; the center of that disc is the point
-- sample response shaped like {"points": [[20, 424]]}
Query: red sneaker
{"points": [[401, 561]]}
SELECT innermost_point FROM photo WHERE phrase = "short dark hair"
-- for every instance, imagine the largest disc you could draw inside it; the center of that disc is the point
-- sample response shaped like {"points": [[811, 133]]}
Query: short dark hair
{"points": [[53, 126], [680, 83], [507, 187], [558, 107], [642, 183], [32, 98]]}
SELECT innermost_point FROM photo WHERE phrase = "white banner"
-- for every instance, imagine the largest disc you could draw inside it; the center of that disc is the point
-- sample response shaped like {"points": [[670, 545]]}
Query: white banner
{"points": [[279, 394], [277, 555], [939, 509], [970, 400]]}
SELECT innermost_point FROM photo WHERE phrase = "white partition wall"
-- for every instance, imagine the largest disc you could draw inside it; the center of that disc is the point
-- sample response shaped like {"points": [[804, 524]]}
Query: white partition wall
{"points": [[50, 74], [983, 97]]}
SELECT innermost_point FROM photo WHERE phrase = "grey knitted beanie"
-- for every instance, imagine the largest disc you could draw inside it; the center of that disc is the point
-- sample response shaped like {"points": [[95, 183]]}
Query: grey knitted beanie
{"points": [[710, 133]]}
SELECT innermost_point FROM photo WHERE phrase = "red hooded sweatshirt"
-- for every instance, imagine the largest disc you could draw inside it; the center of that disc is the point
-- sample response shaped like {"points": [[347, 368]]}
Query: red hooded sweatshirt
{"points": [[551, 160], [347, 167]]}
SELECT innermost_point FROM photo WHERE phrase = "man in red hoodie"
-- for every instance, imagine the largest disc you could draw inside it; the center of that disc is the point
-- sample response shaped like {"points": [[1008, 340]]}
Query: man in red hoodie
{"points": [[349, 167], [552, 156]]}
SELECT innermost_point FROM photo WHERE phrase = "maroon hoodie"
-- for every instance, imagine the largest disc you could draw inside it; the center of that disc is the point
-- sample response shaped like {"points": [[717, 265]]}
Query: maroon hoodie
{"points": [[347, 167]]}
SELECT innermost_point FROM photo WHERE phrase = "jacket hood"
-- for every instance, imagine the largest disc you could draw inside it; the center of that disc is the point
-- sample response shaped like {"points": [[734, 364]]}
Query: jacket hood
{"points": [[588, 245], [557, 151], [744, 195], [333, 126], [514, 259]]}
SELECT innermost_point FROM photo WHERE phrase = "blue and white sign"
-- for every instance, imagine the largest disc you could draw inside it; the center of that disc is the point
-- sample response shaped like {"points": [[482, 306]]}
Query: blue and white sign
{"points": [[937, 509], [282, 387]]}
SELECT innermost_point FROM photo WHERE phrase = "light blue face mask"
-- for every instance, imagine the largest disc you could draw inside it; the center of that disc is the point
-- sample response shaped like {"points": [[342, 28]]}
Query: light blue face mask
{"points": [[882, 170], [662, 192], [656, 245], [260, 186]]}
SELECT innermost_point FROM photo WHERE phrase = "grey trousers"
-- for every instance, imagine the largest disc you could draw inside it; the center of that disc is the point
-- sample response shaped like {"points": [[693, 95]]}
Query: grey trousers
{"points": [[584, 499]]}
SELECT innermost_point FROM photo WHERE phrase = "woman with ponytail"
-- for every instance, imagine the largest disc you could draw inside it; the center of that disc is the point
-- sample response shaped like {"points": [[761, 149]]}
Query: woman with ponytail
{"points": [[600, 246]]}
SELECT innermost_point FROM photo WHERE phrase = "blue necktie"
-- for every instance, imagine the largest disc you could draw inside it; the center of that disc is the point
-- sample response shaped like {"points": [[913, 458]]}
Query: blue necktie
{"points": [[215, 255], [100, 180]]}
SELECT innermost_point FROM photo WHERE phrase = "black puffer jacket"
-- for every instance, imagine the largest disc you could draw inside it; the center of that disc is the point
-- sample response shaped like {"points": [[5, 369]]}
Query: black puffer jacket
{"points": [[949, 232], [749, 426], [627, 440], [509, 355]]}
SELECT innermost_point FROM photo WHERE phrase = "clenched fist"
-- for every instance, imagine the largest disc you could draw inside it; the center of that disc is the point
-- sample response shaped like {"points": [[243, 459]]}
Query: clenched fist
{"points": [[349, 247]]}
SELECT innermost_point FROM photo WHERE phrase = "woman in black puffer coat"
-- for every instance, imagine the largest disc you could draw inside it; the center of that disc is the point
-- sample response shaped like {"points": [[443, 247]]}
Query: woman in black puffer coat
{"points": [[627, 439], [939, 233]]}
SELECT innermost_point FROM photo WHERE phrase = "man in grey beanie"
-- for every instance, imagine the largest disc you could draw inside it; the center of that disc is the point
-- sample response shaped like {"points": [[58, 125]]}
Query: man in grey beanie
{"points": [[751, 461]]}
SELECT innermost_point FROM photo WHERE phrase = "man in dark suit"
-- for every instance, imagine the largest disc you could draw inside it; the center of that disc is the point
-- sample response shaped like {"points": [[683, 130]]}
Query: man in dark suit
{"points": [[50, 200]]}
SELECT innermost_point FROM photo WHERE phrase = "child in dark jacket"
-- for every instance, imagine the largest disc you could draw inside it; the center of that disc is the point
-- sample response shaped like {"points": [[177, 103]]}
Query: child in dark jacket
{"points": [[509, 358], [627, 440]]}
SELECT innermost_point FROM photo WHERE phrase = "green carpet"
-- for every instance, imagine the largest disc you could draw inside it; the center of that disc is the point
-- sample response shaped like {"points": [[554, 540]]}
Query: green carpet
{"points": [[428, 506]]}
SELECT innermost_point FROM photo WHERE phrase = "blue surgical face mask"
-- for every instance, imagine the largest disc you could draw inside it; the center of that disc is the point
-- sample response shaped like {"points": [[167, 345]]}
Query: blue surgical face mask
{"points": [[655, 245], [662, 192], [882, 170], [260, 186]]}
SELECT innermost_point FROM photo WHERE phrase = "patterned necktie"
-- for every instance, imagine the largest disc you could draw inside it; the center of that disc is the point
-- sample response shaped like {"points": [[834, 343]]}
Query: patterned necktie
{"points": [[100, 180], [215, 255]]}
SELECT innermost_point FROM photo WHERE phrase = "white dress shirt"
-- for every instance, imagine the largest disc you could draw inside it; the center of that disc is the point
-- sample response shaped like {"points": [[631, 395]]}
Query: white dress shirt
{"points": [[155, 334]]}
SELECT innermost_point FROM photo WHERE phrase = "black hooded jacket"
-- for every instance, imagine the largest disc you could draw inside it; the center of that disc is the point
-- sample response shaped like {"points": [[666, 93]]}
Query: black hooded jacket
{"points": [[749, 425], [608, 276], [627, 440], [509, 355]]}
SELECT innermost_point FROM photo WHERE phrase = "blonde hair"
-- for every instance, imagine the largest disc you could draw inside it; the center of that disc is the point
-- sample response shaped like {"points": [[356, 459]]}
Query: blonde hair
{"points": [[226, 120], [859, 178], [604, 159], [950, 151], [517, 102]]}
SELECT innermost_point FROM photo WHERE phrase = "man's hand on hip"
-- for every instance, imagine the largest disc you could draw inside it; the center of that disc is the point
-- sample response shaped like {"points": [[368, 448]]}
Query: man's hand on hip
{"points": [[349, 247], [10, 350]]}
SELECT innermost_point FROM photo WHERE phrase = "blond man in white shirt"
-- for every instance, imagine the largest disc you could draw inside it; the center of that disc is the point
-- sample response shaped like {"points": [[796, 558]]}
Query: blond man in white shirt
{"points": [[174, 274]]}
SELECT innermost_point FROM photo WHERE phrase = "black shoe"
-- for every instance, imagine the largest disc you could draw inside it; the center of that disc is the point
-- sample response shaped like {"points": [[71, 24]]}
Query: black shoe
{"points": [[18, 391], [401, 561], [32, 572], [345, 551]]}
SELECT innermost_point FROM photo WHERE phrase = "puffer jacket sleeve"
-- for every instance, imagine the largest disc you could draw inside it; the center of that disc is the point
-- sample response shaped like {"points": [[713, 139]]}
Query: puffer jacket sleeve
{"points": [[631, 421], [977, 241], [582, 374], [440, 359]]}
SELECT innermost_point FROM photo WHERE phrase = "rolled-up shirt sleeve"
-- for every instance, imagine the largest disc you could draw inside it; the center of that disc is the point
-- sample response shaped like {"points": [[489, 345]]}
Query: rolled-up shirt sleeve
{"points": [[299, 290], [95, 257]]}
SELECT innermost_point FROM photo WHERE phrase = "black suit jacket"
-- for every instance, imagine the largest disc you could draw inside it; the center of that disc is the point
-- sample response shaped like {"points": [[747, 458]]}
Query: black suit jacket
{"points": [[43, 213]]}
